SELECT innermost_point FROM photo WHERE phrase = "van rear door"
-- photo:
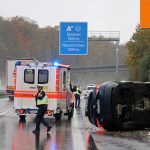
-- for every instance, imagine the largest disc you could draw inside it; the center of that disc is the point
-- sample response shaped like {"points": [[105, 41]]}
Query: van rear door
{"points": [[28, 87]]}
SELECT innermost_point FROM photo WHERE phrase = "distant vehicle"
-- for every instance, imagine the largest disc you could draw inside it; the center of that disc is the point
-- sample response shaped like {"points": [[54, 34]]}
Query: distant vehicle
{"points": [[10, 66], [90, 86], [120, 106], [55, 80], [88, 89]]}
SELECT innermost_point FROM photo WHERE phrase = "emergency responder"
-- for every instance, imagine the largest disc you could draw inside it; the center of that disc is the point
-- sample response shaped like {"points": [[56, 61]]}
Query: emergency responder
{"points": [[41, 102], [77, 97]]}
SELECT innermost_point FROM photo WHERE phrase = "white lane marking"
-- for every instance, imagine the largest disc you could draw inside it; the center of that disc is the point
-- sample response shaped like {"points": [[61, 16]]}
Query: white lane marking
{"points": [[77, 135], [3, 112]]}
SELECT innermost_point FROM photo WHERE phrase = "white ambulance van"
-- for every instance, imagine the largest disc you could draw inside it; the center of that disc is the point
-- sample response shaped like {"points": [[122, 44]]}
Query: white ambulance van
{"points": [[55, 79]]}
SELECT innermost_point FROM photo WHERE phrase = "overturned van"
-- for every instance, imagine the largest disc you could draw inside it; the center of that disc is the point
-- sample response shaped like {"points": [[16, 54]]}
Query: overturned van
{"points": [[120, 106]]}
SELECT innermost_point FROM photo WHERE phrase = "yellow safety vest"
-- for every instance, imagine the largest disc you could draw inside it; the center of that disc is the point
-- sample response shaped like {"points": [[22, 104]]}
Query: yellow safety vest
{"points": [[76, 92], [42, 101]]}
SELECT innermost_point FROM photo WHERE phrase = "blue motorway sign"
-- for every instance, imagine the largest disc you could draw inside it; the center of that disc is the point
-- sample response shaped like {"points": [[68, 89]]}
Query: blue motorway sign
{"points": [[73, 38]]}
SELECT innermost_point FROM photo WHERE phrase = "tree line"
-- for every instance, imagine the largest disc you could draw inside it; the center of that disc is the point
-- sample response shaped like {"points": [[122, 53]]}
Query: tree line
{"points": [[21, 37], [138, 57]]}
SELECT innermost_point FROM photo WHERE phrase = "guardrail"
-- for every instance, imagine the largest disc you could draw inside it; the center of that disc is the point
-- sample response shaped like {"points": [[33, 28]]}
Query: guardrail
{"points": [[2, 92], [106, 68]]}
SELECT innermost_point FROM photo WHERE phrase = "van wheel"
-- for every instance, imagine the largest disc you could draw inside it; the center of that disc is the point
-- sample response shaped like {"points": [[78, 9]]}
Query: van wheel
{"points": [[22, 117], [86, 113], [70, 114], [11, 98], [58, 117]]}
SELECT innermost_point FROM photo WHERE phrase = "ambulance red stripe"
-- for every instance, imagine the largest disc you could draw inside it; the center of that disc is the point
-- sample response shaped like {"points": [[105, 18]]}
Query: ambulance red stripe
{"points": [[50, 95]]}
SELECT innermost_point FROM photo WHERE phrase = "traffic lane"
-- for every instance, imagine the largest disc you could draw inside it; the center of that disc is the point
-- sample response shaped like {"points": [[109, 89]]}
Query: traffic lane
{"points": [[5, 104], [59, 137], [5, 107], [132, 140], [122, 140], [17, 135], [64, 136]]}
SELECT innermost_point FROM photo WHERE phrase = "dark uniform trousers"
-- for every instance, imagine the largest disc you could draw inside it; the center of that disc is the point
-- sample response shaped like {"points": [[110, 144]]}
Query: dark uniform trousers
{"points": [[77, 100], [40, 117]]}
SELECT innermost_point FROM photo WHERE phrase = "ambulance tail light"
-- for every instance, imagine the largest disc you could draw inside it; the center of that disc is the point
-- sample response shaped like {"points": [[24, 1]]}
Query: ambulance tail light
{"points": [[21, 111]]}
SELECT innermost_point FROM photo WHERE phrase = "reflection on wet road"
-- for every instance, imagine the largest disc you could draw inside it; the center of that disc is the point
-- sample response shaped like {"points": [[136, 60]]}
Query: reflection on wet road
{"points": [[69, 135], [124, 140]]}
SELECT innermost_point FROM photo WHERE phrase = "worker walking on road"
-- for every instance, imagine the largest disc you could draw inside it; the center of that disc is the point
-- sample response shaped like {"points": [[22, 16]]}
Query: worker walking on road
{"points": [[77, 97], [42, 103]]}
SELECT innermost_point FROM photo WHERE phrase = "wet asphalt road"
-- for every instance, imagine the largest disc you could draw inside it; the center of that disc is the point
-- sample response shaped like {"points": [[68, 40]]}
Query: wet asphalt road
{"points": [[77, 134], [16, 135]]}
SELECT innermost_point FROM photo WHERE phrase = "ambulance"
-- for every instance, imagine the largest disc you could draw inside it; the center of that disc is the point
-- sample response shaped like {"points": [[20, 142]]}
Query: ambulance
{"points": [[55, 80]]}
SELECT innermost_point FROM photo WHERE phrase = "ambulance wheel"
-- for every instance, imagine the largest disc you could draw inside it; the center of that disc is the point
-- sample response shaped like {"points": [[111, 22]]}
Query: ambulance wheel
{"points": [[86, 113], [70, 114], [57, 117], [11, 98], [22, 117]]}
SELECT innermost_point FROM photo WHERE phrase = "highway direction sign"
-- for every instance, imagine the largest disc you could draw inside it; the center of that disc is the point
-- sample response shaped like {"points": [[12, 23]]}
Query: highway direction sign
{"points": [[73, 38]]}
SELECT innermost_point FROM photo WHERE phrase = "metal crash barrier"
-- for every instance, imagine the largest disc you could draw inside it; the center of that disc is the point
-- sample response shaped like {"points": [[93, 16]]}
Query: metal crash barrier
{"points": [[2, 92]]}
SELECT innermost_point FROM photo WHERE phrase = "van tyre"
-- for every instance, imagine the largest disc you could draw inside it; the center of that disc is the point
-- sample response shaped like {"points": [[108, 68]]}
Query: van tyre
{"points": [[86, 113], [58, 117], [92, 106], [88, 107], [11, 98], [70, 114], [22, 117]]}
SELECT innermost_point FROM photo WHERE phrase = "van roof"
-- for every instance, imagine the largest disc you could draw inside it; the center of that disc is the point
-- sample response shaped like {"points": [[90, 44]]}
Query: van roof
{"points": [[42, 64]]}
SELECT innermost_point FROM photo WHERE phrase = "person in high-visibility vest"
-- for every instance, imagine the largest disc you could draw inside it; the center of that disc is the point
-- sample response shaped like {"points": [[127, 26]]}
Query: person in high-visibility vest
{"points": [[77, 97], [41, 103]]}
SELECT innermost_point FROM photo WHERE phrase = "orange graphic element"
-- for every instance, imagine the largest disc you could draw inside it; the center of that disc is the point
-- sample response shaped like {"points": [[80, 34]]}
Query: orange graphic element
{"points": [[10, 87], [15, 76], [50, 95], [144, 13], [57, 79]]}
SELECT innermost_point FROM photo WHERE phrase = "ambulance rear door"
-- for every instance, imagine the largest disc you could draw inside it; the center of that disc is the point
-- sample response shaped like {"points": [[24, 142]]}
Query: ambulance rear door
{"points": [[63, 81], [43, 79], [53, 93], [28, 87]]}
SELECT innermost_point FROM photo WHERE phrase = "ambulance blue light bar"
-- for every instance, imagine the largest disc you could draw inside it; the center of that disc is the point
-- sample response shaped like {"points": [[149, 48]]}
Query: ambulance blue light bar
{"points": [[56, 64]]}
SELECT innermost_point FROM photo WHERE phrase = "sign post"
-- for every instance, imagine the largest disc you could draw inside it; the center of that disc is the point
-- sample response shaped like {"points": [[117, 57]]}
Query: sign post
{"points": [[73, 39]]}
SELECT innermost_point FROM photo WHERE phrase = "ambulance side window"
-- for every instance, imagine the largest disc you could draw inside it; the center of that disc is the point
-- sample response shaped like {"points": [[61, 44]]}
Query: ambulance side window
{"points": [[64, 77], [43, 76], [29, 75]]}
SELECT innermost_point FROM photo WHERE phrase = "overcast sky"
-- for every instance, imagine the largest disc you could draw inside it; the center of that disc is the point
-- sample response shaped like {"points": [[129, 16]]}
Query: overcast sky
{"points": [[101, 15]]}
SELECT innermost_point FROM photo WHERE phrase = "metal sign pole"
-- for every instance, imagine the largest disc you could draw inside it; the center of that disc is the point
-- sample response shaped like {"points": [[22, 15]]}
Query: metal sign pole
{"points": [[117, 60], [74, 60]]}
